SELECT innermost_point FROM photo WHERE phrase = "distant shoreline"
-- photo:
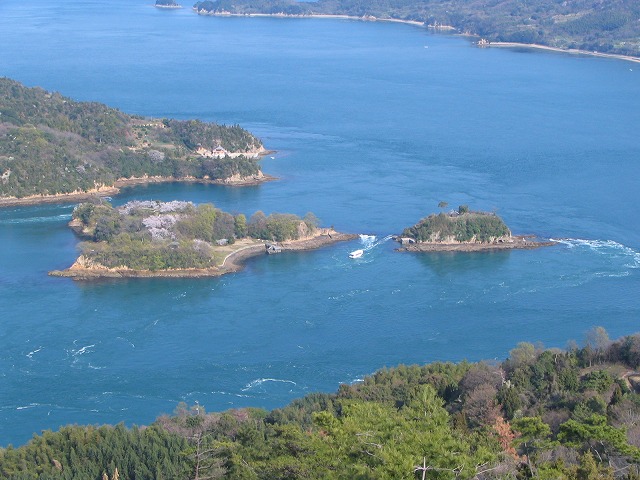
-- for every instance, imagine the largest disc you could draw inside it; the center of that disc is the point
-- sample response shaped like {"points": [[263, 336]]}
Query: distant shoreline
{"points": [[415, 23], [108, 191], [520, 242], [571, 51], [233, 262]]}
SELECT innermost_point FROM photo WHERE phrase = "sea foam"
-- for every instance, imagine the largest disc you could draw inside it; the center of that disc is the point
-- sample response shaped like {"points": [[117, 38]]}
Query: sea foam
{"points": [[609, 248], [260, 381]]}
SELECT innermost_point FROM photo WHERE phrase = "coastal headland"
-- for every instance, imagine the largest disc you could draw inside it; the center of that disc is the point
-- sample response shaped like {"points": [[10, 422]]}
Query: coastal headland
{"points": [[233, 261], [67, 151]]}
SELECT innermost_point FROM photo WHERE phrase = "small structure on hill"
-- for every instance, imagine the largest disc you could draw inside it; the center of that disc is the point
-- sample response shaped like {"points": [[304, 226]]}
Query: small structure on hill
{"points": [[217, 152]]}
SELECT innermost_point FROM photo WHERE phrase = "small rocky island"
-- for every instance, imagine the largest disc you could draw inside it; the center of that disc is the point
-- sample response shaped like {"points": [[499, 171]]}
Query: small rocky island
{"points": [[181, 239], [167, 4], [464, 231]]}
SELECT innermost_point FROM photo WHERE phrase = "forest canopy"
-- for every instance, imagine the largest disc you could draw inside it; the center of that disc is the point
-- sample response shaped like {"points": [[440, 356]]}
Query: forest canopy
{"points": [[460, 226], [50, 144], [153, 235]]}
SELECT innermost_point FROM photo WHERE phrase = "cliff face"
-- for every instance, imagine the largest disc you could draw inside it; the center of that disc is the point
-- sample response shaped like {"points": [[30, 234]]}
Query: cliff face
{"points": [[437, 237]]}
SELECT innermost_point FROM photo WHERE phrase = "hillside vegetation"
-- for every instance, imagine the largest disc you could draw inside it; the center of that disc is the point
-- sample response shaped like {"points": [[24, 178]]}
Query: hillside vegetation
{"points": [[460, 226], [609, 26], [150, 235], [542, 413], [50, 144]]}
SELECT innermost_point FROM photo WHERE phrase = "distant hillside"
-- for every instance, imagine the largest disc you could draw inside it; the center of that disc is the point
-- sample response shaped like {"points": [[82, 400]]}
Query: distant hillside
{"points": [[541, 413], [50, 144], [608, 26]]}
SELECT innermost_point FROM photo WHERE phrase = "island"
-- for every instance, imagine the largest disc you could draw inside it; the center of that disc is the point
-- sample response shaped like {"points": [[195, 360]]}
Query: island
{"points": [[464, 230], [167, 4], [579, 25], [55, 149], [181, 239]]}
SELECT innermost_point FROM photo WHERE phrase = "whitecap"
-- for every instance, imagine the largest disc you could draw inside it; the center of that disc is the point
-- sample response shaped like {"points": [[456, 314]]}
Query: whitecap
{"points": [[367, 239], [83, 350], [609, 248], [260, 381], [30, 354], [371, 241]]}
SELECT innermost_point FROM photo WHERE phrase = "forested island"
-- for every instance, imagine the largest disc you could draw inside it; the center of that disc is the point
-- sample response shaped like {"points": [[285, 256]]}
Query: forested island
{"points": [[167, 4], [607, 27], [463, 230], [52, 147], [551, 414], [181, 239]]}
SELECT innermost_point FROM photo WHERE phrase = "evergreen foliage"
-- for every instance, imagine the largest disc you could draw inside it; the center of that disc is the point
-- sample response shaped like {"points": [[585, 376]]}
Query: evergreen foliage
{"points": [[50, 144], [397, 424], [149, 235], [84, 453], [461, 226]]}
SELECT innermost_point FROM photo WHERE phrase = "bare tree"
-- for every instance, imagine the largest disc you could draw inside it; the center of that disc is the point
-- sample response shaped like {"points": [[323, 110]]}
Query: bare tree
{"points": [[196, 426], [598, 340]]}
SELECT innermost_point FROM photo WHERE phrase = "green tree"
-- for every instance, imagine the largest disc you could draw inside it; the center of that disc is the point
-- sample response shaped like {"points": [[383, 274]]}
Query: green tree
{"points": [[595, 433], [533, 437], [240, 222]]}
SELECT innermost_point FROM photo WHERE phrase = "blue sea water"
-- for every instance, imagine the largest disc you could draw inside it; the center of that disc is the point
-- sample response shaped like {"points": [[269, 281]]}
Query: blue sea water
{"points": [[373, 124]]}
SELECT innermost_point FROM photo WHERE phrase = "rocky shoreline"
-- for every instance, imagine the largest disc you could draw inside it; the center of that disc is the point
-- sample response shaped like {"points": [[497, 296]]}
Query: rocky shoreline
{"points": [[84, 269], [518, 242], [108, 191]]}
